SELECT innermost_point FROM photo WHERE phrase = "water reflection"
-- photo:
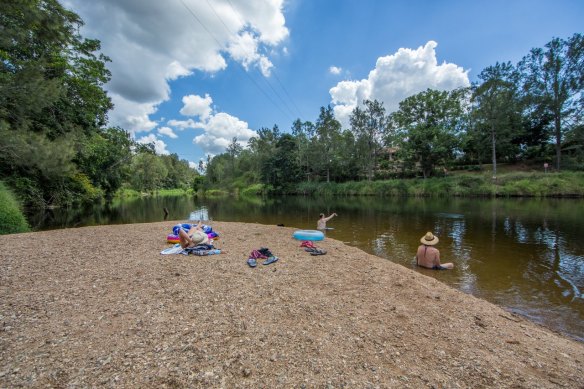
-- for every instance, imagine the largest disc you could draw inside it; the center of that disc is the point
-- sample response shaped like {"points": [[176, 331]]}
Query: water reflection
{"points": [[524, 254]]}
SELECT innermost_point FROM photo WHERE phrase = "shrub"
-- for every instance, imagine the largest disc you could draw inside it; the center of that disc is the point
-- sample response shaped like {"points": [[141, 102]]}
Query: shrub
{"points": [[253, 190], [12, 219]]}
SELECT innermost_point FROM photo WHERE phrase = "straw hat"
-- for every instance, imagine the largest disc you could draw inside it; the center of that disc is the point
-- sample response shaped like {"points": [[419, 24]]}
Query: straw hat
{"points": [[199, 237], [429, 239]]}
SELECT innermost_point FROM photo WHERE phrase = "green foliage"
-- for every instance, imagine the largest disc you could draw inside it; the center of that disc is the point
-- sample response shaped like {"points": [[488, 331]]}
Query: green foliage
{"points": [[51, 99], [553, 79], [370, 126], [148, 172], [567, 184], [180, 174], [127, 193], [12, 219], [253, 190], [216, 193], [427, 124], [105, 158], [496, 117]]}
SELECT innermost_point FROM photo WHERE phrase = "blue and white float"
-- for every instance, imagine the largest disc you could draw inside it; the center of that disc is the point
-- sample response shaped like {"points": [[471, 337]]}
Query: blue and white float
{"points": [[308, 235]]}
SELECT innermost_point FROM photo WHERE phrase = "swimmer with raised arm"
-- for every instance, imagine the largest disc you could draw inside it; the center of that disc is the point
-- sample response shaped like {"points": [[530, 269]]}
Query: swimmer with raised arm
{"points": [[321, 223]]}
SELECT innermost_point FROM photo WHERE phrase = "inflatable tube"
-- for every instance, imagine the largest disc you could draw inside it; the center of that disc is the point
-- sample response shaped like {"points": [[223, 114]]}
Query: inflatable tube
{"points": [[172, 238], [184, 226], [308, 235]]}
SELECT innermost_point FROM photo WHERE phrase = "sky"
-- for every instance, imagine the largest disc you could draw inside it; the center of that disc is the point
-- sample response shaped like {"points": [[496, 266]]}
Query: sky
{"points": [[191, 75]]}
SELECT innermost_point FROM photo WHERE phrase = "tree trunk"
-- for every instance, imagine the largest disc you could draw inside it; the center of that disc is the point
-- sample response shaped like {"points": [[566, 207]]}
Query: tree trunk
{"points": [[494, 142], [558, 127]]}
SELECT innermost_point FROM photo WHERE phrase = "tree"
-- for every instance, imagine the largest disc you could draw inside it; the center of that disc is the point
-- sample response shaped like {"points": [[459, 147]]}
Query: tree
{"points": [[286, 170], [105, 158], [51, 96], [264, 148], [427, 125], [234, 150], [148, 172], [554, 78], [370, 126], [180, 174], [327, 135], [303, 133], [497, 108]]}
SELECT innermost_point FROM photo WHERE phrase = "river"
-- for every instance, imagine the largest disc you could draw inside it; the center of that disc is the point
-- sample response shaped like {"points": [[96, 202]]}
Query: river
{"points": [[526, 255]]}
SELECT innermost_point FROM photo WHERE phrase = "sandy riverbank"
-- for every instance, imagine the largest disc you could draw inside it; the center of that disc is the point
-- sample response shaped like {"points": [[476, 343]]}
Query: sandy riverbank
{"points": [[99, 306]]}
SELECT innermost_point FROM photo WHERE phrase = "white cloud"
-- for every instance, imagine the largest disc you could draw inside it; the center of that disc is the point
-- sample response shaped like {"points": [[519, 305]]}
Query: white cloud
{"points": [[131, 116], [219, 127], [159, 145], [335, 70], [220, 131], [197, 106], [184, 124], [153, 42], [397, 77], [244, 48], [168, 132]]}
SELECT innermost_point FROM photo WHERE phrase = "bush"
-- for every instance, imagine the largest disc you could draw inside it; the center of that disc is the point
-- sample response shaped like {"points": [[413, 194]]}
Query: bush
{"points": [[253, 190], [12, 219]]}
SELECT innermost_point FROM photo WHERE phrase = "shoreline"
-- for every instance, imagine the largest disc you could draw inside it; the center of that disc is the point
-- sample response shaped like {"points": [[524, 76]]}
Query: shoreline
{"points": [[99, 306]]}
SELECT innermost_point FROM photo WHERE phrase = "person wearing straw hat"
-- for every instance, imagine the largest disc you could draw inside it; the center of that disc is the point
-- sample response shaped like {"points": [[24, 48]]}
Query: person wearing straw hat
{"points": [[195, 236], [428, 255]]}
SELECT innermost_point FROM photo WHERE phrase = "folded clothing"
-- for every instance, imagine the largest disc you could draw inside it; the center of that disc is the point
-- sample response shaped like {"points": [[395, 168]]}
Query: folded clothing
{"points": [[202, 249]]}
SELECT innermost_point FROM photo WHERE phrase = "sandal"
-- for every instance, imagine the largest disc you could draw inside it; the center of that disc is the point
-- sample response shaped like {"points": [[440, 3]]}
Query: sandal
{"points": [[271, 259]]}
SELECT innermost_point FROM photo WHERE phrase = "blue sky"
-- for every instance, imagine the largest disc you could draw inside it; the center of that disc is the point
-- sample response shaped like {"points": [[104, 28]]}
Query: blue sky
{"points": [[189, 75]]}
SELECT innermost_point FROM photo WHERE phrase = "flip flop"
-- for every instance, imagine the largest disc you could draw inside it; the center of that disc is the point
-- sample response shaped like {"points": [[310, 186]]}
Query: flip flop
{"points": [[252, 262], [271, 259], [318, 252]]}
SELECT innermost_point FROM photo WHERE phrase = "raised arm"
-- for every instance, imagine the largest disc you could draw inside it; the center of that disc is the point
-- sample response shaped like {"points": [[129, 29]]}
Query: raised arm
{"points": [[326, 219]]}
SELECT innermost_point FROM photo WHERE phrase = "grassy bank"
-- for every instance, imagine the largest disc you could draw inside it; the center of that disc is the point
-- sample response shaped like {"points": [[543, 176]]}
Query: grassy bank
{"points": [[515, 184], [12, 219]]}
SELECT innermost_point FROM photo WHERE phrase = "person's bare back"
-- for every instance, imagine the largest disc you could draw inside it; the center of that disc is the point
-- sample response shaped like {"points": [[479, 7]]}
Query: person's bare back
{"points": [[429, 256]]}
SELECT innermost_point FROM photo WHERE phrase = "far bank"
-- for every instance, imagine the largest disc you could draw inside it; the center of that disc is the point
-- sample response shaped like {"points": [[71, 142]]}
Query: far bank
{"points": [[512, 184]]}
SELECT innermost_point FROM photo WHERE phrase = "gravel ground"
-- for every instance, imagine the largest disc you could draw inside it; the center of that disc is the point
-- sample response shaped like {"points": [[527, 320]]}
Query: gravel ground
{"points": [[100, 307]]}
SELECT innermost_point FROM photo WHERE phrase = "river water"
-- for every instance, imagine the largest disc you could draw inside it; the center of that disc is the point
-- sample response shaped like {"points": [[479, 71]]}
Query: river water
{"points": [[526, 255]]}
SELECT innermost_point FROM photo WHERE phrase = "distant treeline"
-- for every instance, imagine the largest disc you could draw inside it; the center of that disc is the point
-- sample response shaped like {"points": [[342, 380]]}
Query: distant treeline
{"points": [[525, 112]]}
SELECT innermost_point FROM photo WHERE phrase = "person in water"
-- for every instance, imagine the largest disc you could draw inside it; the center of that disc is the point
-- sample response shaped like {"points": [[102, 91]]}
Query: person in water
{"points": [[321, 223], [195, 236], [428, 255]]}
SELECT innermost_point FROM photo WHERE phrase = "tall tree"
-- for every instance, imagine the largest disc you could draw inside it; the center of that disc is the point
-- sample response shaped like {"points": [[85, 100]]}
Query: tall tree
{"points": [[497, 108], [264, 148], [370, 126], [328, 130], [286, 170], [303, 133], [234, 150], [51, 95], [427, 125], [148, 172], [105, 158], [554, 77]]}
